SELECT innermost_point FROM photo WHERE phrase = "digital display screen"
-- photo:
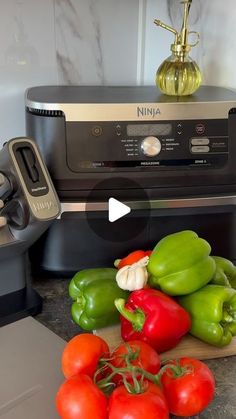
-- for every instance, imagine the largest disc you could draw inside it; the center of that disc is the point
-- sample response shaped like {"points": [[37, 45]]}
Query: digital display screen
{"points": [[144, 130]]}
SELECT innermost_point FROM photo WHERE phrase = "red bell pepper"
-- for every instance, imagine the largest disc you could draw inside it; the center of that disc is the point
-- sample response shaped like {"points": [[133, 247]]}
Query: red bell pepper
{"points": [[154, 317], [131, 258]]}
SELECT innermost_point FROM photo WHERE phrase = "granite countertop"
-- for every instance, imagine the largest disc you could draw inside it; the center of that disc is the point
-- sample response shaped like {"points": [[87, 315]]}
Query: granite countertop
{"points": [[56, 316]]}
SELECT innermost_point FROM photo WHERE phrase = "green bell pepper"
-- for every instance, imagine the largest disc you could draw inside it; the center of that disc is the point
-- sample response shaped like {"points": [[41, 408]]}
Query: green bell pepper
{"points": [[225, 273], [213, 313], [94, 292], [180, 263]]}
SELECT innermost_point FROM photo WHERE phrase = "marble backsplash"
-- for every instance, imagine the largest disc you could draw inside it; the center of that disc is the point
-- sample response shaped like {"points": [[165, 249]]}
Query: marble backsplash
{"points": [[106, 42]]}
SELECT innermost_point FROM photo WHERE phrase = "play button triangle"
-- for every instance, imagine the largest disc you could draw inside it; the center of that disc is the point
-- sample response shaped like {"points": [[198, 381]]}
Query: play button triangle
{"points": [[116, 209]]}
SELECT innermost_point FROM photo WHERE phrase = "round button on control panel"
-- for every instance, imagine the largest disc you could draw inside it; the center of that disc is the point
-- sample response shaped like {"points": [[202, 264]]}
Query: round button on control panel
{"points": [[151, 146], [96, 131]]}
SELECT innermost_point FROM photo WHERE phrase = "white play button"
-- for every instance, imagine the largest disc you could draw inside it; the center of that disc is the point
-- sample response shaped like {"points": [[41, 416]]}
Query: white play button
{"points": [[116, 210]]}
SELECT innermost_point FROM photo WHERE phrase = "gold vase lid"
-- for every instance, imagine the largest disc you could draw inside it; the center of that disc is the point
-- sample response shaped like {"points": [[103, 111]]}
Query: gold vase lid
{"points": [[181, 46]]}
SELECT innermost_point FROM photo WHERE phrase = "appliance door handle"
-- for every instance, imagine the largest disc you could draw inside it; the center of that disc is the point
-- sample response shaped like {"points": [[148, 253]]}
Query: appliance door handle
{"points": [[161, 204]]}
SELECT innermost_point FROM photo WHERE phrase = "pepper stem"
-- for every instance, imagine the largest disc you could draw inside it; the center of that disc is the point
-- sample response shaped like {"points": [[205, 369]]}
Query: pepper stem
{"points": [[137, 317], [116, 263], [226, 317]]}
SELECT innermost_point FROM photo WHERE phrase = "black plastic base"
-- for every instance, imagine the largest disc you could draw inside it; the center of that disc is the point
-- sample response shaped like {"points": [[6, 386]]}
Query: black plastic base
{"points": [[19, 304]]}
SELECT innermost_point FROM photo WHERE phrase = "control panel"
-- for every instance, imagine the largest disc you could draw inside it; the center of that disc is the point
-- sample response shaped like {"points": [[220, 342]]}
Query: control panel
{"points": [[105, 146]]}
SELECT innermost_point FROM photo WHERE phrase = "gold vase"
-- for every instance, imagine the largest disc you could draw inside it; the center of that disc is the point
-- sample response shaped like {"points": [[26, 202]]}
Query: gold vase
{"points": [[179, 75]]}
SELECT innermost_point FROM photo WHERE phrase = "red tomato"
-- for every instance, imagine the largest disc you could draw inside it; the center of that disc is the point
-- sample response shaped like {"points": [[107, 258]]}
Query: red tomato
{"points": [[82, 354], [147, 358], [190, 393], [150, 404], [79, 398]]}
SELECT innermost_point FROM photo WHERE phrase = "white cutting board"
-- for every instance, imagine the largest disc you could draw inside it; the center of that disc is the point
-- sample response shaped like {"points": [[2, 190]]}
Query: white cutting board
{"points": [[30, 359]]}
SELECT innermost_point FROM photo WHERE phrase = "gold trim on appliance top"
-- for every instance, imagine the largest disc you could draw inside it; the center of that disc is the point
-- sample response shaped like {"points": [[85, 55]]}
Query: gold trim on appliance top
{"points": [[99, 112], [214, 201]]}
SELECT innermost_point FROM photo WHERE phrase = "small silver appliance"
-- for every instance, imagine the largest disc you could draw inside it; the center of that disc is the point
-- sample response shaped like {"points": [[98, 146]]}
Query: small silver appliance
{"points": [[29, 205]]}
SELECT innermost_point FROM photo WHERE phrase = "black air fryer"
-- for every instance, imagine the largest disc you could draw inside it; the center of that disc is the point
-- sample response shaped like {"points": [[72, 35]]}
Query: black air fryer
{"points": [[170, 159]]}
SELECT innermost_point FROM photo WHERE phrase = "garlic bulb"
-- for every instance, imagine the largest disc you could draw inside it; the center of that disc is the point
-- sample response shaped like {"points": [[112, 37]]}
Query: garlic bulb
{"points": [[133, 277]]}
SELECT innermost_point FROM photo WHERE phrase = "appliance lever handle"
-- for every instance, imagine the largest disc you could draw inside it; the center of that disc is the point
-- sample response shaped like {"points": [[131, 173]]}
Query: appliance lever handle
{"points": [[177, 203]]}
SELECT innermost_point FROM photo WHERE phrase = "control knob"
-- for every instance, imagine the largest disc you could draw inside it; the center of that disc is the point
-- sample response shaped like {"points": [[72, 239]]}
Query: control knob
{"points": [[151, 146]]}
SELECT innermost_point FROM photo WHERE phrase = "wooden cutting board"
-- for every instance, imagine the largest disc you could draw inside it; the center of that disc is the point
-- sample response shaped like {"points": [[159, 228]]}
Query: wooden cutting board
{"points": [[189, 346]]}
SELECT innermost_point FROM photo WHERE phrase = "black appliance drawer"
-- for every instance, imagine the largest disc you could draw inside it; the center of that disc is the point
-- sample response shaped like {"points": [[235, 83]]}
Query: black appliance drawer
{"points": [[71, 244]]}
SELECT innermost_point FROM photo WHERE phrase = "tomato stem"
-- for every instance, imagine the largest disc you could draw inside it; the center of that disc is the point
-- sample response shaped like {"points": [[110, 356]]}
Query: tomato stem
{"points": [[131, 369], [138, 374]]}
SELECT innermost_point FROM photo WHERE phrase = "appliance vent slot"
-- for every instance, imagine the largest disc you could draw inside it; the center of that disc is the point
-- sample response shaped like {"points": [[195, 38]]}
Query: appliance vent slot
{"points": [[45, 112]]}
